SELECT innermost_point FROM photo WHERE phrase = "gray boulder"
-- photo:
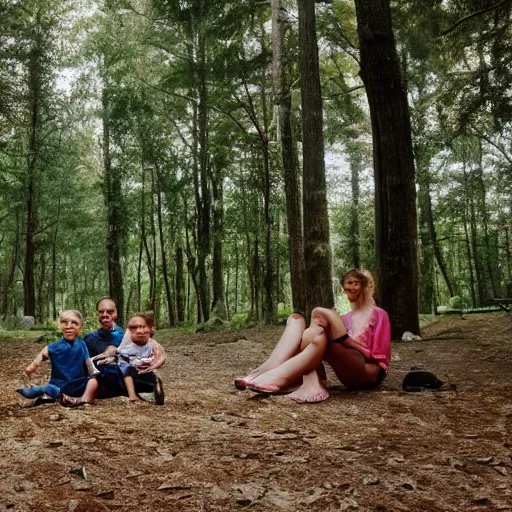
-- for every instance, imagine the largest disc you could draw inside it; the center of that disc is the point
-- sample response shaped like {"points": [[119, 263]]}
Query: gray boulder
{"points": [[26, 322]]}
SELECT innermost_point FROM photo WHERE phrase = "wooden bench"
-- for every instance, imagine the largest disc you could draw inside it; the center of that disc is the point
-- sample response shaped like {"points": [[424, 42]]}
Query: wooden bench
{"points": [[504, 303]]}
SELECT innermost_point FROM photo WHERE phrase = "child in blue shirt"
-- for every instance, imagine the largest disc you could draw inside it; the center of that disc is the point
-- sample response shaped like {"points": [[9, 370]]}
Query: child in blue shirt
{"points": [[70, 363]]}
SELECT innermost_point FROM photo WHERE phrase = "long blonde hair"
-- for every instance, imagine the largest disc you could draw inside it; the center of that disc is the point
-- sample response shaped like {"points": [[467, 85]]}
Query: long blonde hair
{"points": [[363, 308], [367, 284]]}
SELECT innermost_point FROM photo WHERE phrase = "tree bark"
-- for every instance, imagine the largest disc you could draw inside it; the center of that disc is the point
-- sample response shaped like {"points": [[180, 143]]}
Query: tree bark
{"points": [[395, 193], [113, 201], [218, 302], [355, 169], [284, 130], [468, 250], [426, 297], [34, 84], [12, 271], [317, 250], [202, 178], [484, 215], [163, 254], [180, 286], [54, 264], [153, 288]]}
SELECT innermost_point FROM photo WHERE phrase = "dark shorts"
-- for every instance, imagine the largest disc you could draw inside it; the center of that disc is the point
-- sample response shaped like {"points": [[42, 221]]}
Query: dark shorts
{"points": [[112, 383]]}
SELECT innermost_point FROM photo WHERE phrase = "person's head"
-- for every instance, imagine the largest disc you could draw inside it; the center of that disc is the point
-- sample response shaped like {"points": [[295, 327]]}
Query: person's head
{"points": [[107, 312], [359, 286], [141, 328], [70, 324]]}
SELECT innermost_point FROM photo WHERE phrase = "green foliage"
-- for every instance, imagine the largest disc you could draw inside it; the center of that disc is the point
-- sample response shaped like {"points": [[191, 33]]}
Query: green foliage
{"points": [[147, 57], [455, 302], [241, 321]]}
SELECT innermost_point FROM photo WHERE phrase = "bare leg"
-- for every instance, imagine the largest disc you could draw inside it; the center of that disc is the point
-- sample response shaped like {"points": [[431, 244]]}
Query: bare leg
{"points": [[286, 348], [326, 325], [312, 390], [91, 390], [130, 387], [312, 347], [350, 365]]}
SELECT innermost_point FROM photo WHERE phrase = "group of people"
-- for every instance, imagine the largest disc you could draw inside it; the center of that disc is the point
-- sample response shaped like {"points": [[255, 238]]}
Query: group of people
{"points": [[357, 347], [107, 362]]}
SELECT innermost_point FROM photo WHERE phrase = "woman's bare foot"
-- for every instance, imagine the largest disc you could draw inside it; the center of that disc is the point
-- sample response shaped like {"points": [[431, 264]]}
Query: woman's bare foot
{"points": [[312, 390]]}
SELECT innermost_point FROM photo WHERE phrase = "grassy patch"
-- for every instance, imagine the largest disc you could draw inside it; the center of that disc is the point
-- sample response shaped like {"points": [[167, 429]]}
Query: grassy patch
{"points": [[23, 335]]}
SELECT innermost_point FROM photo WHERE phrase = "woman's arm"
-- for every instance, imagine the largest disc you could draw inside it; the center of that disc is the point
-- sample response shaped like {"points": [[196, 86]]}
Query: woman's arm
{"points": [[37, 362], [380, 349]]}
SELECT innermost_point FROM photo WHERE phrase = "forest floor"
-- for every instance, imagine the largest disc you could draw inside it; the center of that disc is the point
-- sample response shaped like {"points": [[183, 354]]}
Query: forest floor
{"points": [[212, 448]]}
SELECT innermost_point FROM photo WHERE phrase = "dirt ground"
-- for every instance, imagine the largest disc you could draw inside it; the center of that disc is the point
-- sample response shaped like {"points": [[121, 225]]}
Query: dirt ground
{"points": [[212, 448]]}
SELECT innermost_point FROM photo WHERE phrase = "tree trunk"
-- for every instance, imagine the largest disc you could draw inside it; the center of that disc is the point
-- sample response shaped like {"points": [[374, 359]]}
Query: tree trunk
{"points": [[192, 270], [218, 302], [508, 255], [269, 309], [269, 312], [54, 264], [113, 201], [317, 250], [202, 170], [284, 130], [40, 287], [255, 272], [466, 214], [163, 254], [131, 290], [426, 297], [355, 169], [482, 295], [429, 244], [142, 236], [237, 262], [484, 215], [12, 271], [34, 85], [180, 286], [153, 281], [395, 193]]}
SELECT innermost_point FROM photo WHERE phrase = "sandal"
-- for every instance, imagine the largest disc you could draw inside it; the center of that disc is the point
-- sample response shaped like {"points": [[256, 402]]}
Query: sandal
{"points": [[241, 383], [269, 389]]}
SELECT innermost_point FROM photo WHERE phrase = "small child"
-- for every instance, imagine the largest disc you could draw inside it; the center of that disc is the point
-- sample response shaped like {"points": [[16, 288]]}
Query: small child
{"points": [[69, 359], [135, 353]]}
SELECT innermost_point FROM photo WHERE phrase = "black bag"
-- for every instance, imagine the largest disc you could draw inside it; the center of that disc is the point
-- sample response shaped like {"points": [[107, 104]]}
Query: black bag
{"points": [[420, 379]]}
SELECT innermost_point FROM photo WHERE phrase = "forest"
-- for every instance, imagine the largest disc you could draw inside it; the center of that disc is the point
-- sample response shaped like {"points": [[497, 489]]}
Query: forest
{"points": [[219, 158]]}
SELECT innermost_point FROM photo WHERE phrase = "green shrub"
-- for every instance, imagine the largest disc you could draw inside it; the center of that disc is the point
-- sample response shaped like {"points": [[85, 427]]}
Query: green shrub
{"points": [[455, 302]]}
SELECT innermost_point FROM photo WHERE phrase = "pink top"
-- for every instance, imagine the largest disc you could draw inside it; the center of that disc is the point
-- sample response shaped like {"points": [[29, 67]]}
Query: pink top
{"points": [[375, 341]]}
